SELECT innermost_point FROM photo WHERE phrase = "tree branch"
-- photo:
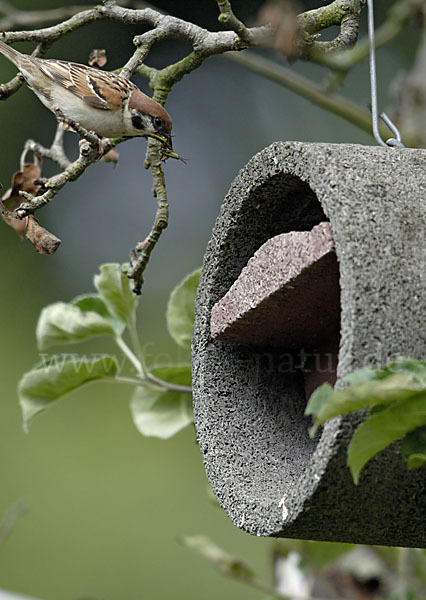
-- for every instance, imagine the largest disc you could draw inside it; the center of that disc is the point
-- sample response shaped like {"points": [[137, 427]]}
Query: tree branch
{"points": [[12, 86], [228, 18], [55, 153], [398, 15], [14, 17], [139, 257], [89, 153], [340, 12], [344, 13]]}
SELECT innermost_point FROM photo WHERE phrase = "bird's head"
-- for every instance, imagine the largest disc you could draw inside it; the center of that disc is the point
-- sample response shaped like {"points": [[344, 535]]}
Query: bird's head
{"points": [[149, 118]]}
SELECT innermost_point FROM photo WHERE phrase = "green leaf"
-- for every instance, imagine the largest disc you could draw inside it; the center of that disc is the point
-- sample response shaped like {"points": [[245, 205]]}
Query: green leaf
{"points": [[160, 413], [413, 449], [316, 402], [318, 399], [361, 375], [115, 290], [415, 461], [62, 323], [397, 386], [410, 366], [94, 303], [225, 562], [381, 429], [180, 310], [39, 388]]}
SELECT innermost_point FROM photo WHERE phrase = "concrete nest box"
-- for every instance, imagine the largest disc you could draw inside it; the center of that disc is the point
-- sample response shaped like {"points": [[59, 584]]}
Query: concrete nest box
{"points": [[316, 267]]}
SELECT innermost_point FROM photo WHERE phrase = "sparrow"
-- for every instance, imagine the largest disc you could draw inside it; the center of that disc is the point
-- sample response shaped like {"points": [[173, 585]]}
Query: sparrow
{"points": [[103, 102]]}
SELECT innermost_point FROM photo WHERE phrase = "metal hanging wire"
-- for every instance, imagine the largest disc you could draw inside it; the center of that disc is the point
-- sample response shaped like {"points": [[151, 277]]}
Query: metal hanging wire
{"points": [[396, 141]]}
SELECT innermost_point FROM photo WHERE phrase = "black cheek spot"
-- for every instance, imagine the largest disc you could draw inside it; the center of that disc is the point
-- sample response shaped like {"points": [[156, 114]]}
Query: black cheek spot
{"points": [[137, 122]]}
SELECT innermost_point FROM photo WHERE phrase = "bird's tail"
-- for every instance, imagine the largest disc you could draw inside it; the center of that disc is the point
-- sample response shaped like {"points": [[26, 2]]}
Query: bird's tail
{"points": [[10, 53]]}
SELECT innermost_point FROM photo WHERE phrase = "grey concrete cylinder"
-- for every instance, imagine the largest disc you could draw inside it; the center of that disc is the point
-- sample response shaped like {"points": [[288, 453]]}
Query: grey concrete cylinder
{"points": [[269, 476]]}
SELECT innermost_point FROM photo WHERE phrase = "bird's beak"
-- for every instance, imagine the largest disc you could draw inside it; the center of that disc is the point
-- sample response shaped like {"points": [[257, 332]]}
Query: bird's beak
{"points": [[166, 148], [167, 140]]}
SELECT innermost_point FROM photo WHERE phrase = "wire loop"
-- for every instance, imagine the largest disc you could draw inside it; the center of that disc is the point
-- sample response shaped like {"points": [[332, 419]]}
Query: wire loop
{"points": [[395, 142]]}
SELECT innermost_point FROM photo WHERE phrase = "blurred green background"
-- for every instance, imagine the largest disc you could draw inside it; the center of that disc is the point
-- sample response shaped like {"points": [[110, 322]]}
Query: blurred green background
{"points": [[107, 506]]}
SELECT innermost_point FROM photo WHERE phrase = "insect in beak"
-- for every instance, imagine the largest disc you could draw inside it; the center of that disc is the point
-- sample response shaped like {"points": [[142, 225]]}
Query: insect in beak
{"points": [[166, 148], [166, 141], [170, 153]]}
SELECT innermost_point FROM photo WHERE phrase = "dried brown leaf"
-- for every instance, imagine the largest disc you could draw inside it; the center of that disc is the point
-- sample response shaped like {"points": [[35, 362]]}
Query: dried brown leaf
{"points": [[43, 241], [282, 16], [21, 181], [28, 228], [97, 58], [111, 156]]}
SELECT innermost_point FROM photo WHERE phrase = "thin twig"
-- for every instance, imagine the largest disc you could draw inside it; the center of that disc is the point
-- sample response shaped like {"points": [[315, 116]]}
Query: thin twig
{"points": [[139, 258], [55, 153], [130, 355], [168, 386], [228, 18], [144, 375], [88, 155], [126, 380], [10, 87]]}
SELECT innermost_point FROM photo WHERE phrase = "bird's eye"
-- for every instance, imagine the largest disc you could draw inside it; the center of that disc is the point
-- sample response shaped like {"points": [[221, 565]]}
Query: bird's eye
{"points": [[158, 122]]}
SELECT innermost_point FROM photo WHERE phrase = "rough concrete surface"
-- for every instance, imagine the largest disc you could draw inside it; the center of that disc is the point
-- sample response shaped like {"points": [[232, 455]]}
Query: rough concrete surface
{"points": [[249, 401]]}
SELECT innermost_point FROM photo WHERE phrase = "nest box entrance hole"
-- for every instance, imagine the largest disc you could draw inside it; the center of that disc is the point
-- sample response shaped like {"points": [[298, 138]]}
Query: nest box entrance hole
{"points": [[285, 301]]}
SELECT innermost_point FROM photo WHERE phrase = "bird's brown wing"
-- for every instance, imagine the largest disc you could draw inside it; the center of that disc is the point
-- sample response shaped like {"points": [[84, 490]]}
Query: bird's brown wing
{"points": [[99, 89]]}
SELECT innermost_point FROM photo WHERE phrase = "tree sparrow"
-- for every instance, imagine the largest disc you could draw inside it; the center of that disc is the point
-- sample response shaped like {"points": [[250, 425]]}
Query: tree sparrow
{"points": [[103, 102]]}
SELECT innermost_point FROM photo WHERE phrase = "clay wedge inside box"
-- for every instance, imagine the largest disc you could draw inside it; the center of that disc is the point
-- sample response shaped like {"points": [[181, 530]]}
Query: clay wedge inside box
{"points": [[288, 295]]}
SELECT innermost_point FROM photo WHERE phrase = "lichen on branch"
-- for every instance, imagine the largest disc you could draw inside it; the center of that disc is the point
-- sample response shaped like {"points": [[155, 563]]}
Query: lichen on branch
{"points": [[343, 13]]}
